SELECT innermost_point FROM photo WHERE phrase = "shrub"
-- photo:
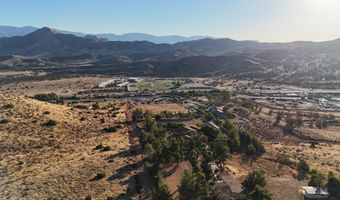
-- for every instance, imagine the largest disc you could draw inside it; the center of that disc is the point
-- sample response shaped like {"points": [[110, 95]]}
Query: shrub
{"points": [[110, 129], [8, 106], [50, 97], [4, 121], [95, 106], [303, 168], [50, 122], [100, 175], [46, 112], [98, 147], [88, 197], [107, 148], [119, 126], [284, 159]]}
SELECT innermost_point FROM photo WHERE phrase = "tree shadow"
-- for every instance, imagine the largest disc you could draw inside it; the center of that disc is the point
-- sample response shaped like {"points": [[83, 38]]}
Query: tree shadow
{"points": [[133, 189], [169, 172], [134, 151], [124, 170]]}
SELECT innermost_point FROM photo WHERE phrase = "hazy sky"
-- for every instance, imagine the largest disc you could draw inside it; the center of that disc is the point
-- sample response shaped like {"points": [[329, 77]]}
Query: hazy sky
{"points": [[264, 20]]}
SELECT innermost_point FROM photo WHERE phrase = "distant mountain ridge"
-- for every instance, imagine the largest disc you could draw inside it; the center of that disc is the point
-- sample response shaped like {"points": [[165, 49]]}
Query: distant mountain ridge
{"points": [[48, 49], [47, 42], [11, 31]]}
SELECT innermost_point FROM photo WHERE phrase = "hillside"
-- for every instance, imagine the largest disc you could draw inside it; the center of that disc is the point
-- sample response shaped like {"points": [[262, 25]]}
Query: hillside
{"points": [[54, 52], [59, 162]]}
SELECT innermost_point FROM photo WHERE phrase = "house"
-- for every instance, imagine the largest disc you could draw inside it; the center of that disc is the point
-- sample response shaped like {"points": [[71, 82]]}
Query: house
{"points": [[313, 193], [213, 125], [218, 112], [230, 185]]}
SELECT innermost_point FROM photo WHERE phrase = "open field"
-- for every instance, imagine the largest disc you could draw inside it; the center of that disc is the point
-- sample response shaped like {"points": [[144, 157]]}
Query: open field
{"points": [[65, 86], [156, 108], [153, 84], [59, 162]]}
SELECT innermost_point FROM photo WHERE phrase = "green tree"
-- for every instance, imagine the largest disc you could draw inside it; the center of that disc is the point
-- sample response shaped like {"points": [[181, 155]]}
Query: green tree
{"points": [[234, 140], [175, 149], [289, 127], [193, 186], [303, 168], [253, 179], [162, 190], [220, 148], [137, 114], [259, 193], [206, 169], [316, 179], [210, 131], [333, 186]]}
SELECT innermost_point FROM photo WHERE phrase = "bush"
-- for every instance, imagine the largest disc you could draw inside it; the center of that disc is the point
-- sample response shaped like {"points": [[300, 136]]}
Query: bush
{"points": [[303, 168], [50, 122], [8, 106], [4, 121], [46, 112], [284, 159], [95, 106], [88, 197], [98, 147], [110, 129], [50, 97], [107, 148], [100, 175]]}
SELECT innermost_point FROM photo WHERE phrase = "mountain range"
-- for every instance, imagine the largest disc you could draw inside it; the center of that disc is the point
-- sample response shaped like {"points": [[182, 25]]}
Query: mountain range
{"points": [[11, 31], [50, 50]]}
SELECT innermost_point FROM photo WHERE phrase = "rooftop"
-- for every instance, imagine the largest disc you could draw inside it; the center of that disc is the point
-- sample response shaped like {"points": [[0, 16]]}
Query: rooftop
{"points": [[308, 190]]}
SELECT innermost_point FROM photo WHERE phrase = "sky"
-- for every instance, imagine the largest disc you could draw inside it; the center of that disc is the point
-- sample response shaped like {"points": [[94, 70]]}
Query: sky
{"points": [[262, 20]]}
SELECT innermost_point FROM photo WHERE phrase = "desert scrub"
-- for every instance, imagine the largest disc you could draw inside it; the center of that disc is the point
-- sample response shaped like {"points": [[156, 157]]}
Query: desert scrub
{"points": [[107, 148], [50, 97], [46, 112], [100, 175], [4, 121], [50, 122], [110, 129], [8, 106]]}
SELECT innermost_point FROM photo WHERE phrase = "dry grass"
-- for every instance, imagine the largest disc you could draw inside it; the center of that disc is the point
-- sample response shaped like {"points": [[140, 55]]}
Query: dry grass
{"points": [[61, 86], [156, 108], [325, 157], [39, 162]]}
